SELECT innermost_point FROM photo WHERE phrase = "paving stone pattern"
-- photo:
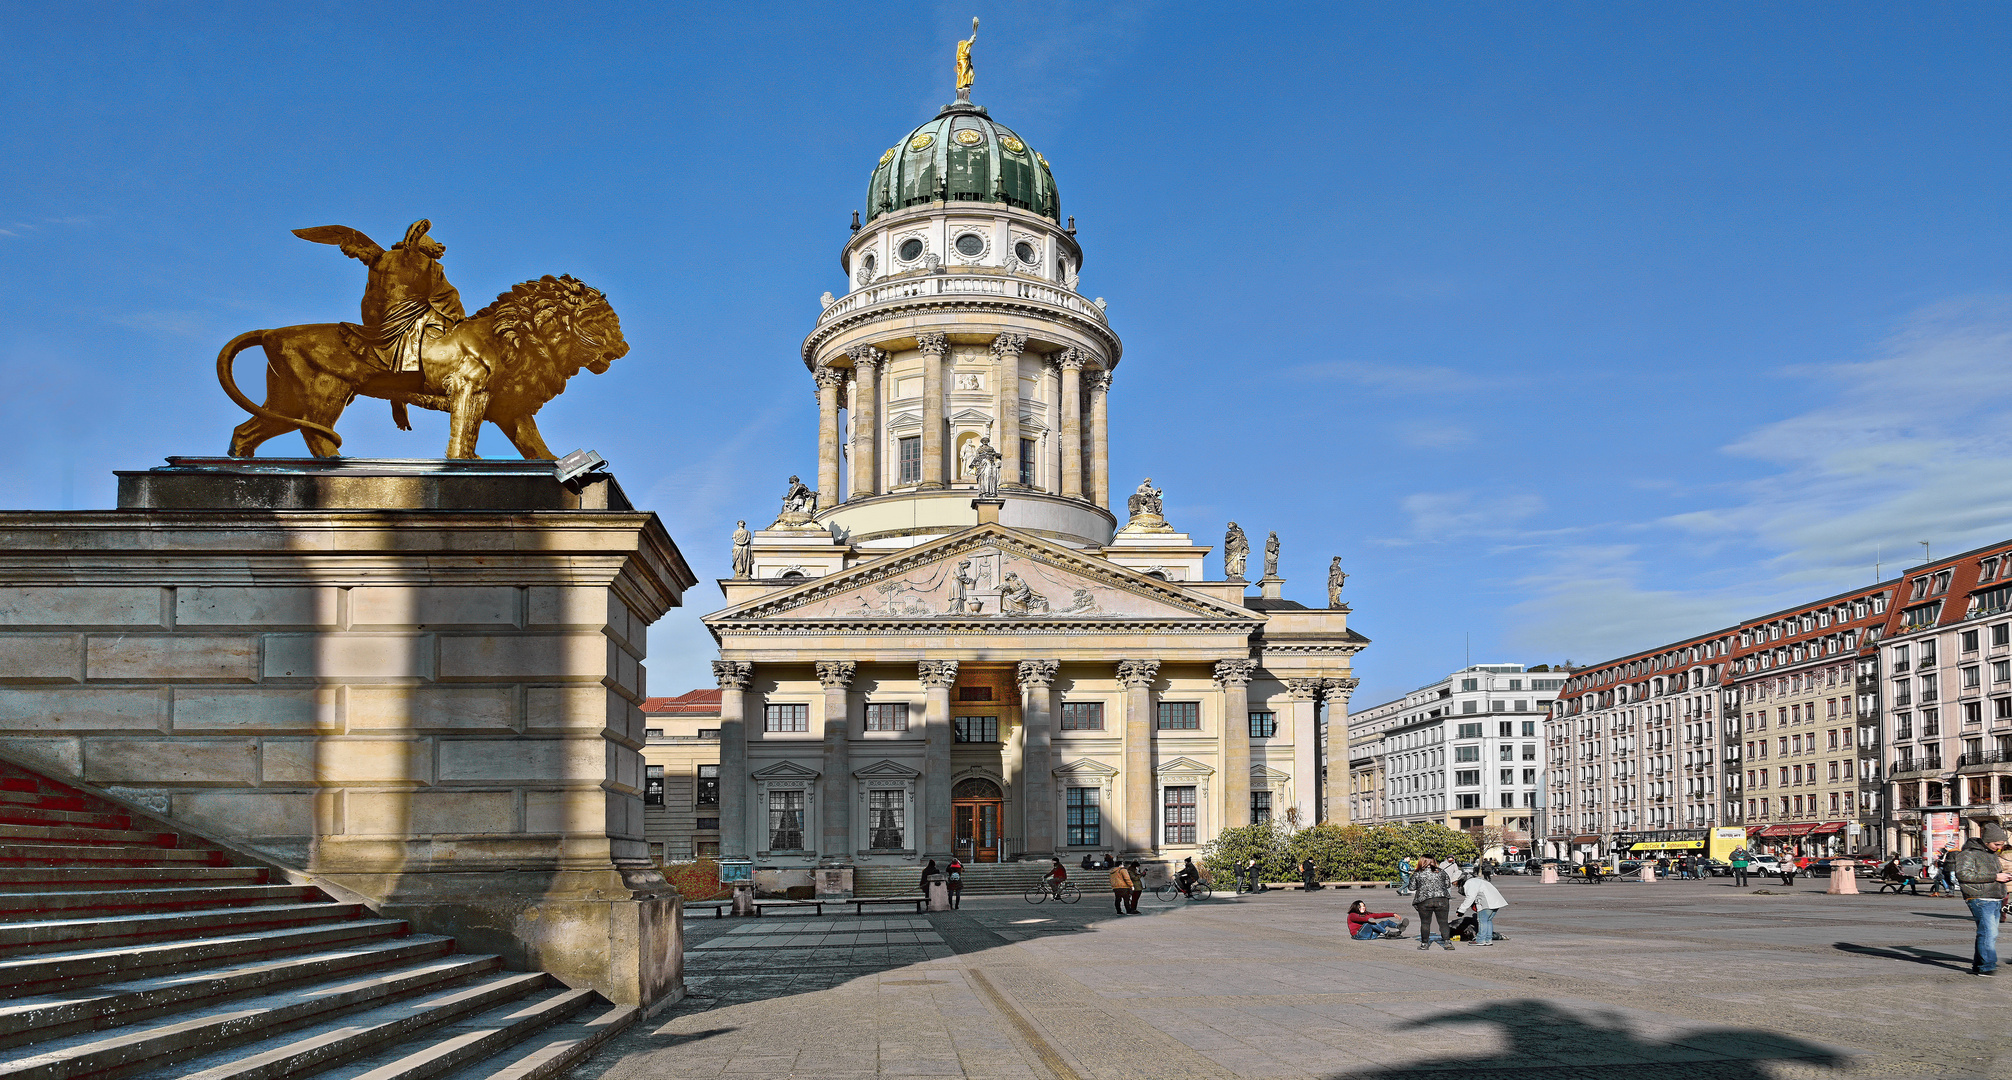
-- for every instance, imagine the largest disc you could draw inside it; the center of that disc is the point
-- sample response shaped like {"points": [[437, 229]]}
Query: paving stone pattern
{"points": [[1672, 980]]}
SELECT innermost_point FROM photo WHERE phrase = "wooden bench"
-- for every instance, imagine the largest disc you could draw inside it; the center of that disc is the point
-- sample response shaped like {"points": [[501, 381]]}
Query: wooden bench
{"points": [[859, 903], [720, 907], [1358, 884], [817, 905]]}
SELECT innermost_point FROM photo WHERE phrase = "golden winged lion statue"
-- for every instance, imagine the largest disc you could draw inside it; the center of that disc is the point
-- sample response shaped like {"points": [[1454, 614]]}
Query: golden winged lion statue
{"points": [[415, 347]]}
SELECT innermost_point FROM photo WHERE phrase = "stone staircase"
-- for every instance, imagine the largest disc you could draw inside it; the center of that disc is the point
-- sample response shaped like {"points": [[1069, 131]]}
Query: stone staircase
{"points": [[130, 950], [980, 879]]}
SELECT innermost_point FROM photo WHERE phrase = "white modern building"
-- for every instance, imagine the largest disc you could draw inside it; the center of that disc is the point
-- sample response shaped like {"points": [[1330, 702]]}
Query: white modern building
{"points": [[1466, 751]]}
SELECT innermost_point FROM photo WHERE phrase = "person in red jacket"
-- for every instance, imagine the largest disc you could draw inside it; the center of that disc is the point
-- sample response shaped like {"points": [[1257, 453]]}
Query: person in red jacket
{"points": [[1367, 925]]}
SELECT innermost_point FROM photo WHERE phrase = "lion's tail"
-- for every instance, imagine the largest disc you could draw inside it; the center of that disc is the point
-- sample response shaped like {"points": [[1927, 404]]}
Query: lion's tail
{"points": [[238, 344]]}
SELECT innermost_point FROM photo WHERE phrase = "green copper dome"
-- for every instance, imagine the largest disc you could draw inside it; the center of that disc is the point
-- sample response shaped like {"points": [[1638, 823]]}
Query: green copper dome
{"points": [[962, 156]]}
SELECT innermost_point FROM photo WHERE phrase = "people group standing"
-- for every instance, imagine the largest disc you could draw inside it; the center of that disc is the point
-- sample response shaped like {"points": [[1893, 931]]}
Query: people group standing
{"points": [[1481, 897], [1431, 895]]}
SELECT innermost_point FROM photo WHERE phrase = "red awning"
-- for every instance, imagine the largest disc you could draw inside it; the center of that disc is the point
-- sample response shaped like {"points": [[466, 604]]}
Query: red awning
{"points": [[1590, 838], [1775, 830], [1800, 830], [1755, 830], [1827, 827]]}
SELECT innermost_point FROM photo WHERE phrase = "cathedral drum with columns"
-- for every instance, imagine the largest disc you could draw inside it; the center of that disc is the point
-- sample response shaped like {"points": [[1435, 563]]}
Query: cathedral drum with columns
{"points": [[949, 647]]}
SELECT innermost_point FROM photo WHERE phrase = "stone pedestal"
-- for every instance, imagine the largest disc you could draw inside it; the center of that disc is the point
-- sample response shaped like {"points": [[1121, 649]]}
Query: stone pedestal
{"points": [[1550, 875], [416, 680], [1843, 878]]}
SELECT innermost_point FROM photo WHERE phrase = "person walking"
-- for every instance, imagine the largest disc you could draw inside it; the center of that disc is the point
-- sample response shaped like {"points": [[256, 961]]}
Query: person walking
{"points": [[1121, 886], [929, 873], [1482, 898], [1404, 866], [1431, 893], [1138, 880], [1740, 860], [1976, 870], [1788, 869], [1309, 875], [956, 881]]}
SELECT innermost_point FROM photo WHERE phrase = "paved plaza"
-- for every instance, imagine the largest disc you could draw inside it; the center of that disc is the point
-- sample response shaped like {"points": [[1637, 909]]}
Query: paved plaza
{"points": [[1676, 979]]}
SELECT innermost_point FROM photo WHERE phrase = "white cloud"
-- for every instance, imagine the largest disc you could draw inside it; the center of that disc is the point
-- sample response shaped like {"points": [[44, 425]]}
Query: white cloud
{"points": [[1438, 516]]}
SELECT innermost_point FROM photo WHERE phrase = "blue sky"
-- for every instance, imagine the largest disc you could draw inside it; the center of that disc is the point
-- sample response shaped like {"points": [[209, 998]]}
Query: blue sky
{"points": [[1572, 328]]}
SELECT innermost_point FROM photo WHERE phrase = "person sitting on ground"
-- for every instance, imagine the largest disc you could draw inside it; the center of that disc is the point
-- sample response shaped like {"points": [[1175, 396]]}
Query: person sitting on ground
{"points": [[1054, 878], [1367, 925], [1089, 861]]}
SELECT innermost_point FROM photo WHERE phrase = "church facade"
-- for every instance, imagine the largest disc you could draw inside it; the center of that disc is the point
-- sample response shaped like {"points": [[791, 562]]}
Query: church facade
{"points": [[950, 646]]}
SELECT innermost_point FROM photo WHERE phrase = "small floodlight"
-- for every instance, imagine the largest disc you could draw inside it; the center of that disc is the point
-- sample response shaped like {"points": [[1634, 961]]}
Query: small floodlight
{"points": [[578, 464]]}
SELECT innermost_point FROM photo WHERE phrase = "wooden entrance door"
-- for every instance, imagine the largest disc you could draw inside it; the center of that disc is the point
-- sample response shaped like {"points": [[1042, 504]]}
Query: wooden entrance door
{"points": [[977, 829]]}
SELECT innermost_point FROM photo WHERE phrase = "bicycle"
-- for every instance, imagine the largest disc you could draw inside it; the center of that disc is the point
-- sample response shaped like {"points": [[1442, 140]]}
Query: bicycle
{"points": [[1168, 892], [1065, 893]]}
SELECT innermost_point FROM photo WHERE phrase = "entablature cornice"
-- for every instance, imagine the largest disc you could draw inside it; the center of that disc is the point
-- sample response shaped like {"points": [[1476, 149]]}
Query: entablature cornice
{"points": [[907, 316]]}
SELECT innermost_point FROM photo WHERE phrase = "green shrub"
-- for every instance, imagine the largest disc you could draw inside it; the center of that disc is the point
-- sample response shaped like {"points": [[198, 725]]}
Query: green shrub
{"points": [[1339, 852]]}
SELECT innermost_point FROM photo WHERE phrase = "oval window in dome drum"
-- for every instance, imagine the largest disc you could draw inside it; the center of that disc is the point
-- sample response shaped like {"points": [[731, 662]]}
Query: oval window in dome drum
{"points": [[968, 137], [970, 244], [1026, 252], [910, 250], [866, 265]]}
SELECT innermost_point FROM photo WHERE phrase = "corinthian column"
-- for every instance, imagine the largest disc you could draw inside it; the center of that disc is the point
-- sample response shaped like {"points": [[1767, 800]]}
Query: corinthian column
{"points": [[866, 361], [1335, 795], [1071, 363], [1305, 758], [1234, 676], [834, 804], [937, 676], [1100, 445], [934, 347], [1006, 349], [829, 380], [1037, 775], [733, 678], [1137, 676]]}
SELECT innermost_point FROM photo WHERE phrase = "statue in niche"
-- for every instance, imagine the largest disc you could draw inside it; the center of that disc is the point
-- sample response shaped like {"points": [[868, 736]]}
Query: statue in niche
{"points": [[960, 583], [1145, 501], [1016, 597], [967, 458], [985, 461], [1335, 580], [743, 551], [1236, 553], [1271, 556]]}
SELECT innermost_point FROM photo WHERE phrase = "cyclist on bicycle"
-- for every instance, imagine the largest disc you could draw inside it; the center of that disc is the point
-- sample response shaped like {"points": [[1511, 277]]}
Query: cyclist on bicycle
{"points": [[1054, 878], [1187, 876]]}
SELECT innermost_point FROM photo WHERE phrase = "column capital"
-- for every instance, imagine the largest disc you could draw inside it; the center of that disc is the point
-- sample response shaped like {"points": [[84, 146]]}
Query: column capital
{"points": [[1071, 359], [1009, 345], [936, 344], [1034, 674], [1303, 689], [1099, 382], [1235, 672], [1138, 674], [1339, 689], [836, 674], [866, 356], [829, 378], [733, 674], [937, 674]]}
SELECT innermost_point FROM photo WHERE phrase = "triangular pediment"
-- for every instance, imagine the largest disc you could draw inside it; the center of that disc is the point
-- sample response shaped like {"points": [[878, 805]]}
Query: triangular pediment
{"points": [[1082, 767], [1259, 772], [785, 770], [993, 575], [1185, 766], [886, 770]]}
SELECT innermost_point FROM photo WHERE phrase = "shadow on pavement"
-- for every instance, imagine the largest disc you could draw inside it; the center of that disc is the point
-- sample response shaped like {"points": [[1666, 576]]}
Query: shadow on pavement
{"points": [[1547, 1040], [1909, 954]]}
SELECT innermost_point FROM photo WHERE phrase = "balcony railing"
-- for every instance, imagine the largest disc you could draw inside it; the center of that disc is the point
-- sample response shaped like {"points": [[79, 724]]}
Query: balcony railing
{"points": [[1985, 757], [977, 285]]}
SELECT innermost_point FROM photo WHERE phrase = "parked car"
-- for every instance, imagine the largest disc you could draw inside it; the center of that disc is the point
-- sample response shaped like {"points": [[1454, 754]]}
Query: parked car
{"points": [[1717, 867], [1765, 864], [1859, 866]]}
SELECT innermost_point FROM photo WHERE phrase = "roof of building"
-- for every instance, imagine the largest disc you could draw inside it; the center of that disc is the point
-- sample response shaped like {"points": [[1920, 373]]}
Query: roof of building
{"points": [[689, 703], [962, 156]]}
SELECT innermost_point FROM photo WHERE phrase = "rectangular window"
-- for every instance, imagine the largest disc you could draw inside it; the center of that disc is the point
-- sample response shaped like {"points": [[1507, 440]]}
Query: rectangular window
{"points": [[1498, 706], [785, 821], [1469, 706], [1470, 684], [1467, 753], [1082, 716], [653, 785], [1969, 641], [1529, 776], [1972, 677], [1529, 751], [1973, 713], [1027, 462], [708, 790], [886, 820], [1506, 729], [887, 716], [1085, 825], [786, 718], [2001, 671], [1508, 776], [1467, 802], [1260, 807], [1180, 815], [2001, 635], [1508, 752], [1180, 716], [1529, 728], [1264, 725], [1469, 731], [909, 454], [1467, 778], [976, 729], [1508, 800], [974, 693]]}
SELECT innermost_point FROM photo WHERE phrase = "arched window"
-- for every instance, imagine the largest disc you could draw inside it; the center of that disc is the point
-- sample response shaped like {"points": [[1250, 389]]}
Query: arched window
{"points": [[976, 787]]}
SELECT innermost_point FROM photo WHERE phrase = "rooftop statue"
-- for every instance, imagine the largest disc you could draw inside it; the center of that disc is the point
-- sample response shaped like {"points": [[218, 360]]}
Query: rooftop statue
{"points": [[965, 74], [417, 347], [1236, 553], [1336, 578]]}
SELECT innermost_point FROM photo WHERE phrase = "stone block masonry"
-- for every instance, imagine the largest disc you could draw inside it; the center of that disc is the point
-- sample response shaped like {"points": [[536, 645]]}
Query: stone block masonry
{"points": [[433, 705]]}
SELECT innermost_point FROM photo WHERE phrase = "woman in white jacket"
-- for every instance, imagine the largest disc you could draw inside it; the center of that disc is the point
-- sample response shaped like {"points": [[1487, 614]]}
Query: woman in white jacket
{"points": [[1484, 900]]}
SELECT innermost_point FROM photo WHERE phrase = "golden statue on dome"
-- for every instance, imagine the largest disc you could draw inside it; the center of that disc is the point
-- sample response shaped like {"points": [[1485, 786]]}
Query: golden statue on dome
{"points": [[965, 74]]}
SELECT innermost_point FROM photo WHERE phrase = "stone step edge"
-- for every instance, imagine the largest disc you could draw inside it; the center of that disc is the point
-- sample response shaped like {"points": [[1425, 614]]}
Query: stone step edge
{"points": [[43, 935], [105, 964], [470, 1039], [558, 1051]]}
